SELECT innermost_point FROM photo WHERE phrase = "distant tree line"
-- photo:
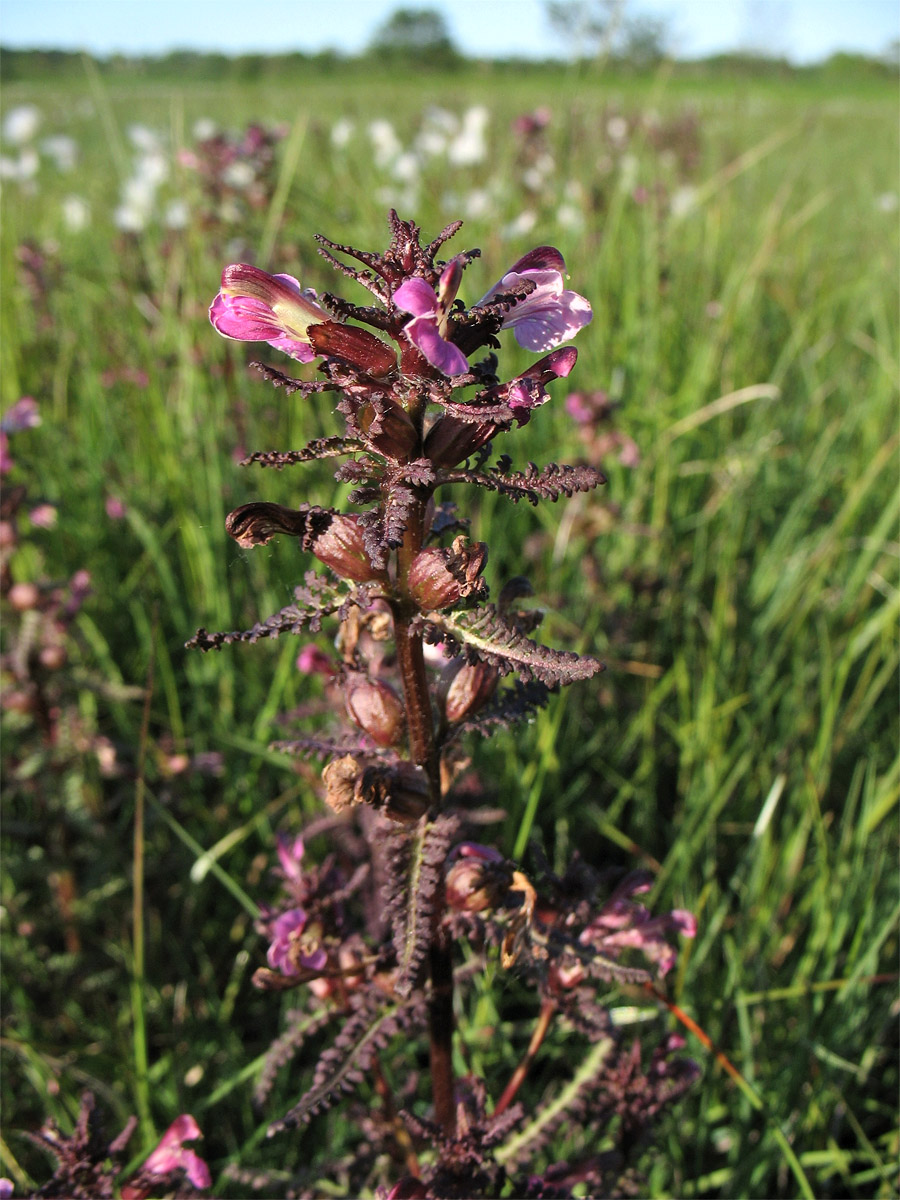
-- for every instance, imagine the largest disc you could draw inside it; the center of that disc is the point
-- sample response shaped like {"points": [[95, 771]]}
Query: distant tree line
{"points": [[597, 34]]}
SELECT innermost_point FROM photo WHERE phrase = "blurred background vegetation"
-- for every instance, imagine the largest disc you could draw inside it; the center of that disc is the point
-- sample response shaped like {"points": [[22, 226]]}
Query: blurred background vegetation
{"points": [[734, 223]]}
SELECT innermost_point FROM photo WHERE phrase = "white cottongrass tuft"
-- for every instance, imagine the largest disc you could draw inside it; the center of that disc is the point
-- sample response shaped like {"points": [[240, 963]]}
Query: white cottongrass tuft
{"points": [[21, 124], [76, 213]]}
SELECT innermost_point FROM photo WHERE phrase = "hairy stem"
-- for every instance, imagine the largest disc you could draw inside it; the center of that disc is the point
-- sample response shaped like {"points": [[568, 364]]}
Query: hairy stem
{"points": [[423, 750], [440, 1027]]}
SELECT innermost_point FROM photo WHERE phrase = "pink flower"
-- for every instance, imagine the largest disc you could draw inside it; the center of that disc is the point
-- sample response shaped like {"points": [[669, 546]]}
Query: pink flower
{"points": [[44, 516], [549, 314], [623, 922], [286, 953], [23, 414], [290, 855], [528, 391], [429, 327], [253, 306], [170, 1155], [313, 661]]}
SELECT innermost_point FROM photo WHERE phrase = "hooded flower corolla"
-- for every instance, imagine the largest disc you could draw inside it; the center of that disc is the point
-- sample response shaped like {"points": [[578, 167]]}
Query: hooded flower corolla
{"points": [[286, 953], [253, 306], [527, 391], [170, 1154], [549, 314], [429, 325]]}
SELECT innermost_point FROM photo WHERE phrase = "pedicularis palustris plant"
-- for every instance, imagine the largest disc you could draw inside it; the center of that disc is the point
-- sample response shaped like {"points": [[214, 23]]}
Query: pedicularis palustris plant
{"points": [[407, 909]]}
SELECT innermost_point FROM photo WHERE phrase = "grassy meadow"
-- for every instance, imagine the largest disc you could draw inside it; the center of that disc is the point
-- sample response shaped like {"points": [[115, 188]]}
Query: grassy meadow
{"points": [[738, 240]]}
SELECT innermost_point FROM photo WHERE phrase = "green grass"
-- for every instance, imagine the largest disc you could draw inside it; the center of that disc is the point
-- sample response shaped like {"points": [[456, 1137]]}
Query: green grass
{"points": [[741, 583]]}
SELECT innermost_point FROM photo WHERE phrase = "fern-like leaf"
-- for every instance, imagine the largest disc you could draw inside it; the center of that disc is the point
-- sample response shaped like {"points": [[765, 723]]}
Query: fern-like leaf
{"points": [[532, 484], [483, 635], [342, 1067], [317, 599], [325, 447]]}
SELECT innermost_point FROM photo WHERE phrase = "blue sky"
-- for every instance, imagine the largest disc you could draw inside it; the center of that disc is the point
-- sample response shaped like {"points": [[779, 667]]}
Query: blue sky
{"points": [[805, 30]]}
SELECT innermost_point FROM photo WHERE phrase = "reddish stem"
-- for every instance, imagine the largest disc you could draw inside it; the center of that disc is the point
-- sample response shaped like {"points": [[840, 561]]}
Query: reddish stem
{"points": [[548, 1008], [424, 752]]}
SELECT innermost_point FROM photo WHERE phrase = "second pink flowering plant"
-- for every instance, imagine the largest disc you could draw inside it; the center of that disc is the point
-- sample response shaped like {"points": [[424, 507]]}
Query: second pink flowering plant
{"points": [[374, 933]]}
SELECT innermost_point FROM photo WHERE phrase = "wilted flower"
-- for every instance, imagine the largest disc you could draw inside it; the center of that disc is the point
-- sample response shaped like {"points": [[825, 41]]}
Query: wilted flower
{"points": [[171, 1155], [253, 306], [549, 314], [623, 922]]}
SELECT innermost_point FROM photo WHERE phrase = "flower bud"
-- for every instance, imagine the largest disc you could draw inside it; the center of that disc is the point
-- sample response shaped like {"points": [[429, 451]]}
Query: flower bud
{"points": [[375, 707], [389, 430], [451, 441], [467, 688], [477, 879], [53, 656], [341, 547], [438, 577], [358, 347]]}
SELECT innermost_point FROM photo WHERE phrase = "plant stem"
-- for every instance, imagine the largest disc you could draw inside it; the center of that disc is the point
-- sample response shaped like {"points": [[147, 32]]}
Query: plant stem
{"points": [[424, 752], [440, 1027], [548, 1008]]}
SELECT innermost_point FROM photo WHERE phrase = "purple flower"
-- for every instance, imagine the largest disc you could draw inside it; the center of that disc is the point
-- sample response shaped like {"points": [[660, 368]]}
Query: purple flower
{"points": [[253, 306], [429, 325], [290, 855], [23, 414], [313, 661], [286, 953], [528, 391], [549, 314], [170, 1154], [623, 922]]}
